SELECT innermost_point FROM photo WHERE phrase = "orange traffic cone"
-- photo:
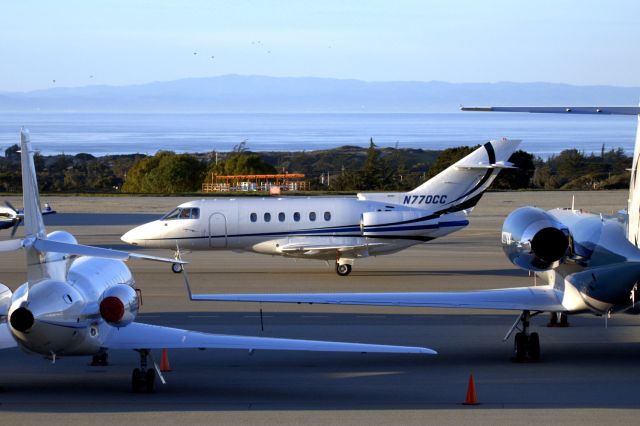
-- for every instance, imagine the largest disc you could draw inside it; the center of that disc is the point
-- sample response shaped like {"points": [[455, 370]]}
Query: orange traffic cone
{"points": [[164, 362], [472, 398]]}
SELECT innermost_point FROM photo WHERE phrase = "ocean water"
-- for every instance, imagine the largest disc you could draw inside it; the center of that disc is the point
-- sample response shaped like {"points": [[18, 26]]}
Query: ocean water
{"points": [[115, 133]]}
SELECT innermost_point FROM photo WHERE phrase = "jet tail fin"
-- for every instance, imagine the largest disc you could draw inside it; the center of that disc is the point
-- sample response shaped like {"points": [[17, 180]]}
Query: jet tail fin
{"points": [[33, 223], [32, 215], [461, 185], [633, 206]]}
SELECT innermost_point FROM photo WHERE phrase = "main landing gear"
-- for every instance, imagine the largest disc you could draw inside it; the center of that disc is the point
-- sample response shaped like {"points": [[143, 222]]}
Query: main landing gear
{"points": [[558, 319], [100, 360], [526, 345], [343, 269], [343, 266], [143, 379]]}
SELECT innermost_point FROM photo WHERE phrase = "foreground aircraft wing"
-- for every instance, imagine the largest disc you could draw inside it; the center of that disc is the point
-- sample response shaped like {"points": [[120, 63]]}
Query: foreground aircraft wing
{"points": [[82, 250], [146, 336], [542, 298], [604, 110]]}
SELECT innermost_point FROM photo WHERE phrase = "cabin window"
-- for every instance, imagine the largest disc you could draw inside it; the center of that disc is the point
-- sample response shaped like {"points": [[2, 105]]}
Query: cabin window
{"points": [[267, 217], [296, 216], [312, 216], [281, 217], [327, 216], [253, 217]]}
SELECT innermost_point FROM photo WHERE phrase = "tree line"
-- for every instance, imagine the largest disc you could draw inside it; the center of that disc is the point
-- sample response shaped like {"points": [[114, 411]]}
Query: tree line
{"points": [[348, 168]]}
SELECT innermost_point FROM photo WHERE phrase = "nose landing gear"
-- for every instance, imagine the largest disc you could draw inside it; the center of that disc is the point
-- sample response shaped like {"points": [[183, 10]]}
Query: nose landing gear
{"points": [[176, 268]]}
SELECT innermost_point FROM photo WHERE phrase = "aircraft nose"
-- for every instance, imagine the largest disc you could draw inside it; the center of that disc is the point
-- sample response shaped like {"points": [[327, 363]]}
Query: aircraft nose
{"points": [[133, 237]]}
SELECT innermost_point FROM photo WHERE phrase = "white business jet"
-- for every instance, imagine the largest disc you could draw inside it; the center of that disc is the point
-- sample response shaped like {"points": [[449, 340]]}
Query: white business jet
{"points": [[10, 217], [81, 300], [339, 229], [590, 262]]}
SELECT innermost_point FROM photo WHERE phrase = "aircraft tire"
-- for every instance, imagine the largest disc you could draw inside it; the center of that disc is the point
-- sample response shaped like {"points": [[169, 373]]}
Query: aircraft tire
{"points": [[521, 346], [176, 268], [136, 380], [150, 380], [534, 346], [343, 269]]}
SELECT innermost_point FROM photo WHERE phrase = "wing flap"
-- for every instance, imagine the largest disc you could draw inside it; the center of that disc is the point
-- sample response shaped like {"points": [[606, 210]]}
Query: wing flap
{"points": [[320, 248], [542, 298], [146, 336]]}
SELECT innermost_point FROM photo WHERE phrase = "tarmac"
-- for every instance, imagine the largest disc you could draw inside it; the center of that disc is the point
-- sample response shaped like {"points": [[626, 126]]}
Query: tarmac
{"points": [[588, 373]]}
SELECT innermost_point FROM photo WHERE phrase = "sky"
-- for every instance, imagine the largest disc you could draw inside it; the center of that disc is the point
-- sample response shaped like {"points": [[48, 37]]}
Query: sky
{"points": [[121, 42]]}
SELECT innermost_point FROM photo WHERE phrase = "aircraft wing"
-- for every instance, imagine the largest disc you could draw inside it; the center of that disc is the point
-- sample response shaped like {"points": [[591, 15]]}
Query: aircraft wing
{"points": [[542, 298], [146, 336], [603, 110], [82, 250], [6, 339], [324, 248]]}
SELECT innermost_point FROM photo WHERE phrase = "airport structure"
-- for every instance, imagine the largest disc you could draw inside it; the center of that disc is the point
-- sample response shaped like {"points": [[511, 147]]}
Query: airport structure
{"points": [[263, 183]]}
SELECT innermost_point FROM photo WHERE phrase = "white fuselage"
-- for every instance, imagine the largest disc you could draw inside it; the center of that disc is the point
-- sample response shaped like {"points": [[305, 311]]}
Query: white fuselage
{"points": [[606, 268], [312, 227], [65, 306]]}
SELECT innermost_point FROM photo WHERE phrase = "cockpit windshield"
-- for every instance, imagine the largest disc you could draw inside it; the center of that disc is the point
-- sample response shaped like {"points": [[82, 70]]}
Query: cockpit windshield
{"points": [[182, 213]]}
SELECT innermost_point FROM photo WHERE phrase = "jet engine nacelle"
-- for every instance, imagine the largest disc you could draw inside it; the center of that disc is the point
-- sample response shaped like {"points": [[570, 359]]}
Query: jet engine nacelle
{"points": [[119, 305], [533, 239]]}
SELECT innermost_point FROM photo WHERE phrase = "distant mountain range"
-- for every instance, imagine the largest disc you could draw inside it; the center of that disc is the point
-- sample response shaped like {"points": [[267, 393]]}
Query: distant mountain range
{"points": [[236, 93]]}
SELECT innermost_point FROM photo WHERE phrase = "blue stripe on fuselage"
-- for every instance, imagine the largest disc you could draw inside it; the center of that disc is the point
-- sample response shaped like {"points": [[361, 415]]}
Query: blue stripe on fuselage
{"points": [[333, 231]]}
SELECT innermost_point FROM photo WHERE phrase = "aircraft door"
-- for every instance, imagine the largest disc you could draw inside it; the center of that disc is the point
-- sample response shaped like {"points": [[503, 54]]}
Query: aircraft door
{"points": [[217, 231]]}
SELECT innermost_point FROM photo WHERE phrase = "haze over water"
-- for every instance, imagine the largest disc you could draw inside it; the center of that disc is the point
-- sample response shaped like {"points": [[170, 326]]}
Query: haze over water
{"points": [[113, 133]]}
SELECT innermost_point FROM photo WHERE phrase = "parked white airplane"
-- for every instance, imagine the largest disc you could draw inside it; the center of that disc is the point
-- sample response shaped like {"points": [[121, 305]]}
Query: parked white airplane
{"points": [[590, 262], [10, 217], [332, 229], [81, 300]]}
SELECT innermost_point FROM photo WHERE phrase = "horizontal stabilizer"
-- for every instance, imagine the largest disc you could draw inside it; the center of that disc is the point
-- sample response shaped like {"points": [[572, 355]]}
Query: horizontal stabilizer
{"points": [[82, 250], [498, 165], [543, 298], [146, 336], [11, 245], [619, 110]]}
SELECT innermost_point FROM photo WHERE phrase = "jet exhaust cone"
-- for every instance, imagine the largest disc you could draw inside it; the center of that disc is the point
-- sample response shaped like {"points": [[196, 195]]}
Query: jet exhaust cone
{"points": [[21, 319], [112, 309], [550, 244]]}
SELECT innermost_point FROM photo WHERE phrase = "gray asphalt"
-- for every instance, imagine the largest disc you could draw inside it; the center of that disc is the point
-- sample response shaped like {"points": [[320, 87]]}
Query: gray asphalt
{"points": [[588, 373]]}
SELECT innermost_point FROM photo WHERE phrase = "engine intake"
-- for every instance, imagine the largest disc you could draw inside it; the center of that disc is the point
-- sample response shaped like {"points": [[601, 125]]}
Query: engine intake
{"points": [[534, 240], [119, 305]]}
